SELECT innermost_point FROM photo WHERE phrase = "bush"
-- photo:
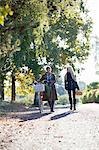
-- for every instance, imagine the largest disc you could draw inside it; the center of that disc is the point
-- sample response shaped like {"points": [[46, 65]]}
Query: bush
{"points": [[62, 100], [97, 96], [93, 85], [27, 101], [90, 96]]}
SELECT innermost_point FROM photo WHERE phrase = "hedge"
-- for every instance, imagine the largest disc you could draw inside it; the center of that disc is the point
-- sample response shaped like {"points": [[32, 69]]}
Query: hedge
{"points": [[91, 96]]}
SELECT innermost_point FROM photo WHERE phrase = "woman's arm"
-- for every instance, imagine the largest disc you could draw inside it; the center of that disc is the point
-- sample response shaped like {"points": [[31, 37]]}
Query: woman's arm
{"points": [[43, 78]]}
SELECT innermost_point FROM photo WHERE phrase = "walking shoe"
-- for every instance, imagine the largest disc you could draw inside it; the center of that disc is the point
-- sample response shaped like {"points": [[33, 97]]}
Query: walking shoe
{"points": [[74, 109], [52, 111]]}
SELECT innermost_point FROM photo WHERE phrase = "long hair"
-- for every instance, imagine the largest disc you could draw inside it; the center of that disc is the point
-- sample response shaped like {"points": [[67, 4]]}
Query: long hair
{"points": [[70, 70]]}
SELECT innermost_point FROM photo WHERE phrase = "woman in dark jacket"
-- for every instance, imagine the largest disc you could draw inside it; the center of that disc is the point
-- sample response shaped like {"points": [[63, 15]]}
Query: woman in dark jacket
{"points": [[50, 90], [71, 86]]}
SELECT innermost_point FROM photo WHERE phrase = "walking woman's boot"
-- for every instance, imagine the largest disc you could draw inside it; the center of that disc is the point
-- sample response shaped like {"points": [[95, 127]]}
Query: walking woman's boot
{"points": [[70, 100], [74, 104], [52, 106]]}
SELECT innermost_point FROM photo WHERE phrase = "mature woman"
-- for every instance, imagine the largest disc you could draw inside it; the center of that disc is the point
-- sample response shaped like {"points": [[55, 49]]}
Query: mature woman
{"points": [[50, 90], [71, 86]]}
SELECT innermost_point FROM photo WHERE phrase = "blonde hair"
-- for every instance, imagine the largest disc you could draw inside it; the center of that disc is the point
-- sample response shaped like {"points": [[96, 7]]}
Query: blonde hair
{"points": [[70, 70]]}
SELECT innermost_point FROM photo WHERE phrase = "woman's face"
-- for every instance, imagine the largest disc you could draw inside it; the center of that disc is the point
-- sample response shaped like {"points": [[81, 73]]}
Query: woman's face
{"points": [[49, 70], [69, 70]]}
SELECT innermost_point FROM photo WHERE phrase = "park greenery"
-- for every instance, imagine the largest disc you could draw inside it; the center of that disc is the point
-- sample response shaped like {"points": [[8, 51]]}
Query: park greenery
{"points": [[36, 33], [91, 93]]}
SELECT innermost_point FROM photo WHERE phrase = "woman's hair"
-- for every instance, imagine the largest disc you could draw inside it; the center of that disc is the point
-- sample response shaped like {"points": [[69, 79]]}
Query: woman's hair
{"points": [[48, 67], [70, 70]]}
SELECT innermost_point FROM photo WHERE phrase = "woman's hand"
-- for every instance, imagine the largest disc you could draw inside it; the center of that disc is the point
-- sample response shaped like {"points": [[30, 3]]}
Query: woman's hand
{"points": [[35, 82], [52, 82]]}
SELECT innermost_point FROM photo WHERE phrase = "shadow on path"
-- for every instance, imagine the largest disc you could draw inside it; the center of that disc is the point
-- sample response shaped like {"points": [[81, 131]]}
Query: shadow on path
{"points": [[62, 115], [32, 116]]}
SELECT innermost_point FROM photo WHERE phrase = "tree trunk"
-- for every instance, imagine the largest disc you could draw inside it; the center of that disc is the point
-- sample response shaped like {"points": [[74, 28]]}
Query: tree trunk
{"points": [[2, 94], [13, 88], [1, 88]]}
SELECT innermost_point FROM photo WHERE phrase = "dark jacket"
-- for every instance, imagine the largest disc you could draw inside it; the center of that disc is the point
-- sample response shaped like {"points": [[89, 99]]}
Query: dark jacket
{"points": [[50, 88], [70, 84]]}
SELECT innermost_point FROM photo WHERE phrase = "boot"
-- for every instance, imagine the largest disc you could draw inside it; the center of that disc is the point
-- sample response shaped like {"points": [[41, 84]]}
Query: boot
{"points": [[70, 100], [52, 106], [49, 102], [74, 104]]}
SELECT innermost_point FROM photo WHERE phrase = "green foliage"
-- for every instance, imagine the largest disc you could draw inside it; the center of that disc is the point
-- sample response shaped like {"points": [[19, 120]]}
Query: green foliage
{"points": [[97, 96], [63, 100], [23, 84], [27, 100], [41, 23], [93, 85], [24, 81], [32, 19], [91, 94], [67, 30], [4, 12]]}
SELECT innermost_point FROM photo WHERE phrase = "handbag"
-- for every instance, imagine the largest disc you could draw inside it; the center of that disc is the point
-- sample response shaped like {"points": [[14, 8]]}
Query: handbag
{"points": [[79, 93], [43, 96], [39, 87]]}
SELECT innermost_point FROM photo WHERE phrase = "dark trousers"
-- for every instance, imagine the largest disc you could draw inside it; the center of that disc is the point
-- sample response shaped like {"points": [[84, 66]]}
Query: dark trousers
{"points": [[72, 101], [51, 104]]}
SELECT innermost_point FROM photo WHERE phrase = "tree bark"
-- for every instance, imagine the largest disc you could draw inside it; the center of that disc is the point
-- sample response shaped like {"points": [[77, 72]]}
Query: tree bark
{"points": [[13, 88], [2, 88]]}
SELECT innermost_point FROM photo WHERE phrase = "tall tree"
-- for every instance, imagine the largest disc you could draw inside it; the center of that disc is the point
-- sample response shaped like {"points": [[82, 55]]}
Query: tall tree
{"points": [[58, 30]]}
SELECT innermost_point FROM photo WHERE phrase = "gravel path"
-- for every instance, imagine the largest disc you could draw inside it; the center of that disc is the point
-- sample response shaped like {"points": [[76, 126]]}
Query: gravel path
{"points": [[61, 130]]}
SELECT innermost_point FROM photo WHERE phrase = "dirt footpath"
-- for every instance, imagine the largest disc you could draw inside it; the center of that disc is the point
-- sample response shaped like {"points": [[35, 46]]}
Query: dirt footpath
{"points": [[61, 130]]}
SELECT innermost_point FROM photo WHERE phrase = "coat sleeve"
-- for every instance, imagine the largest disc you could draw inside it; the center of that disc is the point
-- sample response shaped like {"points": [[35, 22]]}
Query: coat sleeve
{"points": [[42, 78], [77, 86]]}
